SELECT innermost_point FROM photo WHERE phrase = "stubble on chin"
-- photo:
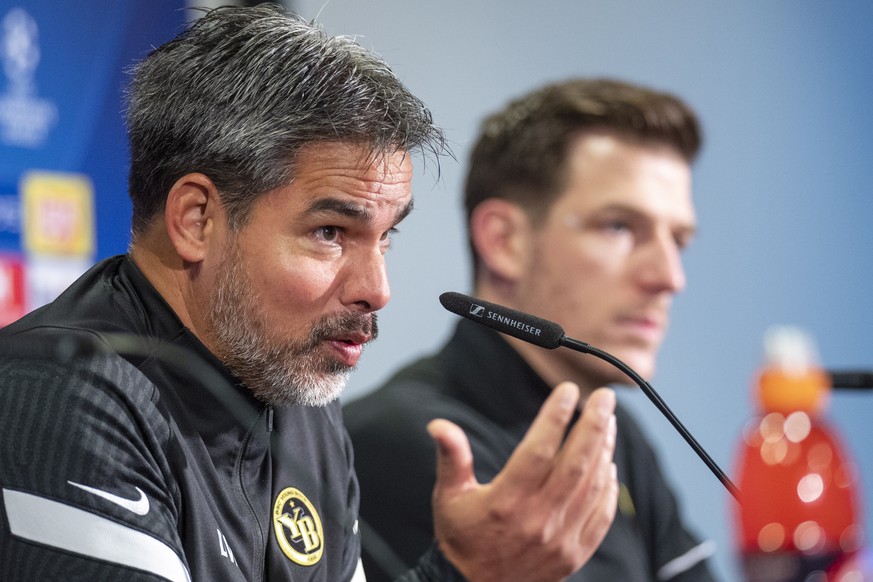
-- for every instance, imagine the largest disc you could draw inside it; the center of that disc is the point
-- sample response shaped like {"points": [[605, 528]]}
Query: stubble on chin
{"points": [[281, 372]]}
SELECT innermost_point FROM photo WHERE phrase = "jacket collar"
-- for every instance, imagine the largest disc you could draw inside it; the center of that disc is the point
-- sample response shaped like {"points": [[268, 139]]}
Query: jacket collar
{"points": [[490, 376]]}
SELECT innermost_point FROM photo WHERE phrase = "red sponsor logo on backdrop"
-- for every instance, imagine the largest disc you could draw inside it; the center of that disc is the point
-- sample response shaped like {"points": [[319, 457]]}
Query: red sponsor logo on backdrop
{"points": [[12, 304]]}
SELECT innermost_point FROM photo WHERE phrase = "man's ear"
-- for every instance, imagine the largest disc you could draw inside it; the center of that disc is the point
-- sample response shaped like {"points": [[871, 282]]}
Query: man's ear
{"points": [[192, 214], [501, 233]]}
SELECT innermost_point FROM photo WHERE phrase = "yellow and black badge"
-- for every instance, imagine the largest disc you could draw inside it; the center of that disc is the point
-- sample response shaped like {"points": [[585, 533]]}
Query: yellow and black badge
{"points": [[298, 527]]}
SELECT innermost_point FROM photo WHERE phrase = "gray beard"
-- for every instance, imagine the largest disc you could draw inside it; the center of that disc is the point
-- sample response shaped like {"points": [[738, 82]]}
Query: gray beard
{"points": [[278, 372]]}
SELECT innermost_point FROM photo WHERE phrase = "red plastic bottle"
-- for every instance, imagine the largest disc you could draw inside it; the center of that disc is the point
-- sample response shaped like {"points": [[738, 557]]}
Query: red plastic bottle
{"points": [[798, 518]]}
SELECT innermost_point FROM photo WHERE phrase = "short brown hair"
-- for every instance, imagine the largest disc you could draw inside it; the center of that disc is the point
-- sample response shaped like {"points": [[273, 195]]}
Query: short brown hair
{"points": [[521, 151]]}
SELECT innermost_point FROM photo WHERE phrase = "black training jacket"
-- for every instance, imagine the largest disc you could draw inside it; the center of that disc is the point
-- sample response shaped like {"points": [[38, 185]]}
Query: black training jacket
{"points": [[140, 458]]}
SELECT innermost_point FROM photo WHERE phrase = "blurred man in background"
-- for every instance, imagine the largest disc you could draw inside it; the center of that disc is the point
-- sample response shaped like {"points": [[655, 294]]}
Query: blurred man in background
{"points": [[579, 206]]}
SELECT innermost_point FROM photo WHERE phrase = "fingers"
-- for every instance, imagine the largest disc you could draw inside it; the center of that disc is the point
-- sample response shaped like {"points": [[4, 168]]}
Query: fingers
{"points": [[595, 527], [588, 450], [586, 475], [585, 478], [531, 463], [454, 458]]}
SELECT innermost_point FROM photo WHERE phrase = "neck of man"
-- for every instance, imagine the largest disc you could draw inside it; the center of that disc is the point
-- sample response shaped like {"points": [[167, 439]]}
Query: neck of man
{"points": [[548, 364], [154, 255]]}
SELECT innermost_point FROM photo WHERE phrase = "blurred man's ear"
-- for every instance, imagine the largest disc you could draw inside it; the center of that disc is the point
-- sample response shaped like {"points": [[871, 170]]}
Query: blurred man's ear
{"points": [[191, 215], [501, 233]]}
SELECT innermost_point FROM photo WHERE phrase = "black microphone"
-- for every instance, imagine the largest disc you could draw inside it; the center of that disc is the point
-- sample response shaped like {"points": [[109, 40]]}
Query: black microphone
{"points": [[529, 328], [851, 379], [550, 335]]}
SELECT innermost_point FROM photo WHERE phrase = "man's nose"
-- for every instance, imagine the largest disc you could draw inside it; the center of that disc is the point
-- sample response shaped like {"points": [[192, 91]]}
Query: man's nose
{"points": [[662, 269], [367, 285]]}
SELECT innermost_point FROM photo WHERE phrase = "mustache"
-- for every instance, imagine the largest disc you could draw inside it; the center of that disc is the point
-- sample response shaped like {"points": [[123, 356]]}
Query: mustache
{"points": [[343, 324]]}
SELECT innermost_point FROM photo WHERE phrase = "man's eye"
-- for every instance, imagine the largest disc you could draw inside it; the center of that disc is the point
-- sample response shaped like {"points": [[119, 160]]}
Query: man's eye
{"points": [[385, 239], [388, 234], [616, 225], [328, 233], [682, 241]]}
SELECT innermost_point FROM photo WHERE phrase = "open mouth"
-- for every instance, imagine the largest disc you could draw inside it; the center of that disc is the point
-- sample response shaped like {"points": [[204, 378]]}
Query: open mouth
{"points": [[349, 347]]}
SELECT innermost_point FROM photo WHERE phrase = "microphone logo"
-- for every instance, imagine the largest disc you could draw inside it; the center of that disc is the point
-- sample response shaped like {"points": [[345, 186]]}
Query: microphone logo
{"points": [[476, 310]]}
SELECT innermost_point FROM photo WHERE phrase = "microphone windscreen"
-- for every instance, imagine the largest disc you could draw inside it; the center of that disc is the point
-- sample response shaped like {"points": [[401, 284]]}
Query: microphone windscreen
{"points": [[523, 326]]}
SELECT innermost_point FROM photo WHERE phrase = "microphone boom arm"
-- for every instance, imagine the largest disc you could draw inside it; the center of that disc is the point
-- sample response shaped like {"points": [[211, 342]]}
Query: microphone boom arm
{"points": [[550, 335], [659, 404]]}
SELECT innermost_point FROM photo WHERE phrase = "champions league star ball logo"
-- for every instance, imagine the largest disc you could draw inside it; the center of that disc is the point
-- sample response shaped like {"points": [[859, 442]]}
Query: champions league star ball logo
{"points": [[25, 119], [298, 527], [19, 48]]}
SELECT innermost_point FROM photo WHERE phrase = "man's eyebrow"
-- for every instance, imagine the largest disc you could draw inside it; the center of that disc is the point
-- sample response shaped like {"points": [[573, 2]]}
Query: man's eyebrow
{"points": [[351, 210], [337, 206], [404, 212], [686, 228]]}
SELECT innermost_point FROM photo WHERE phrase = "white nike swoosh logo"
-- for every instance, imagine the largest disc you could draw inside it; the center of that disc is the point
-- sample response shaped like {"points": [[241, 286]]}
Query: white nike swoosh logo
{"points": [[138, 506]]}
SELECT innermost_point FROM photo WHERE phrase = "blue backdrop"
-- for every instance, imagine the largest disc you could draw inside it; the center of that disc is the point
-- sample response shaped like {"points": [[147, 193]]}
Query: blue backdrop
{"points": [[62, 140]]}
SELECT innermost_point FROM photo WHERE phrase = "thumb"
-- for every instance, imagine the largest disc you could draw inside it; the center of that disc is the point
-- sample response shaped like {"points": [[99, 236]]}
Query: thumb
{"points": [[454, 471]]}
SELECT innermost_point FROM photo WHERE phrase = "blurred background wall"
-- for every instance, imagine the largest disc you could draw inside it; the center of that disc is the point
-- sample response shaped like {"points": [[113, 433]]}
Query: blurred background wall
{"points": [[782, 188]]}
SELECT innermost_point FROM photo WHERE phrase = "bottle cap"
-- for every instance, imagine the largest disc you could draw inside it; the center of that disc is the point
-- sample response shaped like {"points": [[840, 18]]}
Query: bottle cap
{"points": [[792, 378]]}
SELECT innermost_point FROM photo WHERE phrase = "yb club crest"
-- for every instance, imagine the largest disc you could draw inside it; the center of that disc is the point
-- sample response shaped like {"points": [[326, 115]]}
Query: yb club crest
{"points": [[298, 527]]}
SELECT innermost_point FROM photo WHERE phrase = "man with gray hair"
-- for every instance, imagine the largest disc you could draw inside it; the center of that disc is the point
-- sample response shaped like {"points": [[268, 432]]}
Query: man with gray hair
{"points": [[173, 415]]}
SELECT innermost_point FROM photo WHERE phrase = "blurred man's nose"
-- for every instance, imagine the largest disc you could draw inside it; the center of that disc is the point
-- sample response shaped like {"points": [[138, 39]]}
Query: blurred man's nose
{"points": [[661, 266]]}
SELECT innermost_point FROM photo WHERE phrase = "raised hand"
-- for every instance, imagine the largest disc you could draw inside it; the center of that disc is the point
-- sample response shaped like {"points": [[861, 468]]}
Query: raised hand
{"points": [[546, 512]]}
